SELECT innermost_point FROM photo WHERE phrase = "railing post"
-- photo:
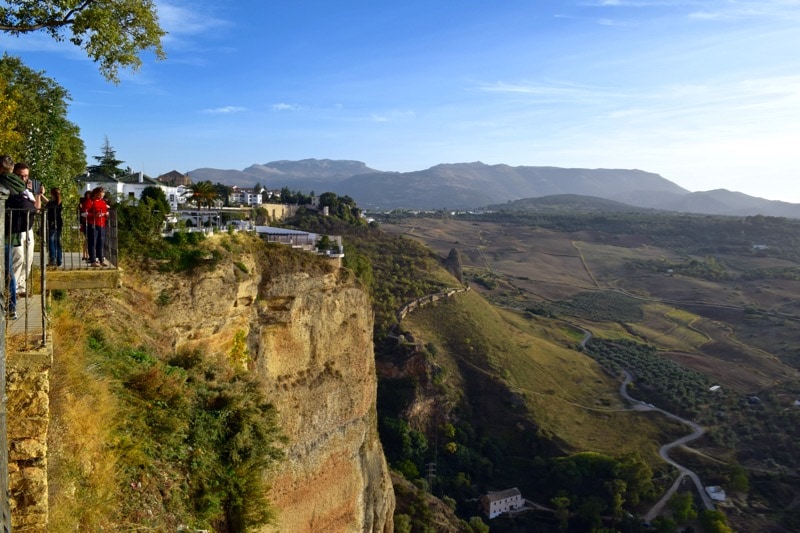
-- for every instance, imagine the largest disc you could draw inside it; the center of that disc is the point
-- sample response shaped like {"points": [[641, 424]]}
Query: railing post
{"points": [[44, 250], [5, 508]]}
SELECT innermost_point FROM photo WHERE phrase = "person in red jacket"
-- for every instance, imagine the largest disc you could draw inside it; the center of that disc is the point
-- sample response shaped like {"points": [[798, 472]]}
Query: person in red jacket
{"points": [[96, 220]]}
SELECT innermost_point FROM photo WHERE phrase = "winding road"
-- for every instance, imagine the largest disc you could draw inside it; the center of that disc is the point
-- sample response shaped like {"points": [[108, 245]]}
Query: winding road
{"points": [[697, 432], [663, 452]]}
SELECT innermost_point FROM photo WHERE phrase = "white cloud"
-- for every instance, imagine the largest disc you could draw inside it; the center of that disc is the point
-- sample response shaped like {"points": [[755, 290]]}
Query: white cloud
{"points": [[225, 110], [282, 106], [187, 20], [391, 116]]}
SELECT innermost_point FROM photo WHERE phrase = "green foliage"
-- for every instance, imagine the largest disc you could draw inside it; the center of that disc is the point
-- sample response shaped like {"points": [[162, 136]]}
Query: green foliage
{"points": [[412, 502], [478, 525], [599, 482], [164, 298], [709, 268], [197, 421], [158, 198], [714, 522], [204, 193], [673, 386], [341, 207], [602, 306], [359, 264], [139, 227], [139, 239], [112, 34], [683, 508], [107, 162], [34, 108], [402, 523], [294, 197], [396, 269]]}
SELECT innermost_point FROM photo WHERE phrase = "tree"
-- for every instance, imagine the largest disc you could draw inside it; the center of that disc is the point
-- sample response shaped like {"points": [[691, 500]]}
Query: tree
{"points": [[478, 525], [561, 504], [33, 111], [683, 508], [107, 163], [203, 193], [157, 197], [113, 33]]}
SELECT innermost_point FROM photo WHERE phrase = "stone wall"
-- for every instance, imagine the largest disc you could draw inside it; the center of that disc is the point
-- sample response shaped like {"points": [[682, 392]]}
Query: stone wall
{"points": [[28, 408]]}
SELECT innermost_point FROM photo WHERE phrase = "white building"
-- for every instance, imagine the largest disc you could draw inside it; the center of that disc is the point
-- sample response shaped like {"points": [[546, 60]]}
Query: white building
{"points": [[716, 493], [302, 240], [497, 503], [131, 186], [241, 196]]}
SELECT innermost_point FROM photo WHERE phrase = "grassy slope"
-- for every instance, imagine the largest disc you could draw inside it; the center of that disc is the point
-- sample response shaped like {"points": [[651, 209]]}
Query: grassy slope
{"points": [[729, 329], [566, 393]]}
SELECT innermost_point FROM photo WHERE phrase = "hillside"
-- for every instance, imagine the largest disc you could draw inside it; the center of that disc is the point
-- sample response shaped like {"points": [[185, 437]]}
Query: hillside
{"points": [[683, 315]]}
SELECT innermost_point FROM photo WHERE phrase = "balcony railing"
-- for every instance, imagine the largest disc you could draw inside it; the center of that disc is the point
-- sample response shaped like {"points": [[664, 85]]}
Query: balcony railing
{"points": [[29, 328]]}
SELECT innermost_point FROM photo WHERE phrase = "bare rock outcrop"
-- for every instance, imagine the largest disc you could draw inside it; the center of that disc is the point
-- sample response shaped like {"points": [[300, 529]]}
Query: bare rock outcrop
{"points": [[309, 337]]}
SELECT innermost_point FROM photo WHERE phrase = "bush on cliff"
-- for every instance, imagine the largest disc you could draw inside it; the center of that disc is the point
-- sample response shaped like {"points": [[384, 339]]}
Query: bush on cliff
{"points": [[174, 440]]}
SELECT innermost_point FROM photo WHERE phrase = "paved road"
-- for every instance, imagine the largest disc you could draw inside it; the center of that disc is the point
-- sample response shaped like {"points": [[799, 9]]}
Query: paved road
{"points": [[697, 432]]}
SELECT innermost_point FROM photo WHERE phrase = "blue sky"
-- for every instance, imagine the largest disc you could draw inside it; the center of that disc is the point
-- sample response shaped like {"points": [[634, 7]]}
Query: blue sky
{"points": [[705, 93]]}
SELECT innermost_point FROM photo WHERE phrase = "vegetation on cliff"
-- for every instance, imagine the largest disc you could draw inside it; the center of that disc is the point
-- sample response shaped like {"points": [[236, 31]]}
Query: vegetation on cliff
{"points": [[155, 437]]}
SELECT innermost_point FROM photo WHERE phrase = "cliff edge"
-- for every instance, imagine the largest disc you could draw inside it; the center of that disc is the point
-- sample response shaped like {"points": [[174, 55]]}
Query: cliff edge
{"points": [[308, 335]]}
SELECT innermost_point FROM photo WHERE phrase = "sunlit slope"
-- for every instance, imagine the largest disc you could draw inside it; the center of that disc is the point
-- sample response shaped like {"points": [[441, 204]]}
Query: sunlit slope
{"points": [[565, 393], [715, 313]]}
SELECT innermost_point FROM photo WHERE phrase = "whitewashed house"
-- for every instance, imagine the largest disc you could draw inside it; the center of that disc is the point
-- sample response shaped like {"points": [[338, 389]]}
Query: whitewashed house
{"points": [[129, 186], [241, 196], [497, 503]]}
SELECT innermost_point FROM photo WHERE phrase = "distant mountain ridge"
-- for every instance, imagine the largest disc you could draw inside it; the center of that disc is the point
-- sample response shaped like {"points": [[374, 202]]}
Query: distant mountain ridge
{"points": [[475, 185]]}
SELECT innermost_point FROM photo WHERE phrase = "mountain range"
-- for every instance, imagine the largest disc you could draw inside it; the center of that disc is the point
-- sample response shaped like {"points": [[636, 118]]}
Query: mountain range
{"points": [[477, 185]]}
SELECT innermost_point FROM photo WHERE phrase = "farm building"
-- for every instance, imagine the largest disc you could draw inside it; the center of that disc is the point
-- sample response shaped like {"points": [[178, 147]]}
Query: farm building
{"points": [[497, 503]]}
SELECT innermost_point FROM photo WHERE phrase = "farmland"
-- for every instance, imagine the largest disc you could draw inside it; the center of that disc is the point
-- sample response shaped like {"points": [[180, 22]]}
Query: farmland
{"points": [[681, 311]]}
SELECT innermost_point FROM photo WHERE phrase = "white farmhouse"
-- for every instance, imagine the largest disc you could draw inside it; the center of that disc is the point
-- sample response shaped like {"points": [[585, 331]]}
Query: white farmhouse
{"points": [[497, 503]]}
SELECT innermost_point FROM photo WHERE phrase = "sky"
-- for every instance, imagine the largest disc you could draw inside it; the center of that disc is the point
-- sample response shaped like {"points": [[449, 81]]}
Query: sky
{"points": [[705, 93]]}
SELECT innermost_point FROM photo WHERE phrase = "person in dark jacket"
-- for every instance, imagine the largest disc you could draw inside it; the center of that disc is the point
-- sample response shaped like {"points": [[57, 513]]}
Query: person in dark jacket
{"points": [[55, 222], [15, 187]]}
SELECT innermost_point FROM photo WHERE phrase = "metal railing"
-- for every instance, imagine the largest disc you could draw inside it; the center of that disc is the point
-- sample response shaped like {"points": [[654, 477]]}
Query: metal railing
{"points": [[26, 315]]}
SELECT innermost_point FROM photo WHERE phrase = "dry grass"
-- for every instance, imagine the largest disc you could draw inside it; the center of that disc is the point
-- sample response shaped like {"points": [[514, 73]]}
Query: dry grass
{"points": [[84, 491]]}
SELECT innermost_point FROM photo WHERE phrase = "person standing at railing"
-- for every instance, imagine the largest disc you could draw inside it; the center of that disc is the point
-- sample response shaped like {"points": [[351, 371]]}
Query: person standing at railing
{"points": [[22, 259], [55, 222], [17, 208], [96, 219], [83, 213]]}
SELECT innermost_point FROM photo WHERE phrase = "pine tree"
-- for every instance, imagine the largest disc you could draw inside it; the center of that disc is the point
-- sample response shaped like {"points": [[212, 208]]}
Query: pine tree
{"points": [[107, 163]]}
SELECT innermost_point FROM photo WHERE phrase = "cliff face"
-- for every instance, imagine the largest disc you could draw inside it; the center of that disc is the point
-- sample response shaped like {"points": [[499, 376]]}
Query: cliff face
{"points": [[309, 337]]}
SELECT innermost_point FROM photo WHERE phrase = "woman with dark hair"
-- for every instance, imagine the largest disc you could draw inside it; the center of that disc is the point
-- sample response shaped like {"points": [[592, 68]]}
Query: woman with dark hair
{"points": [[83, 212], [96, 217], [55, 223]]}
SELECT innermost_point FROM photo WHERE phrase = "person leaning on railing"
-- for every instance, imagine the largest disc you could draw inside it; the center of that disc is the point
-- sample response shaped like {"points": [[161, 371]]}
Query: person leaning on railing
{"points": [[22, 259], [18, 208]]}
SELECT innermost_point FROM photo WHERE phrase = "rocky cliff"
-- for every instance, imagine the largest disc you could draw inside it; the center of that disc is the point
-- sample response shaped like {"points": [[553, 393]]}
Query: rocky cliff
{"points": [[308, 334]]}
